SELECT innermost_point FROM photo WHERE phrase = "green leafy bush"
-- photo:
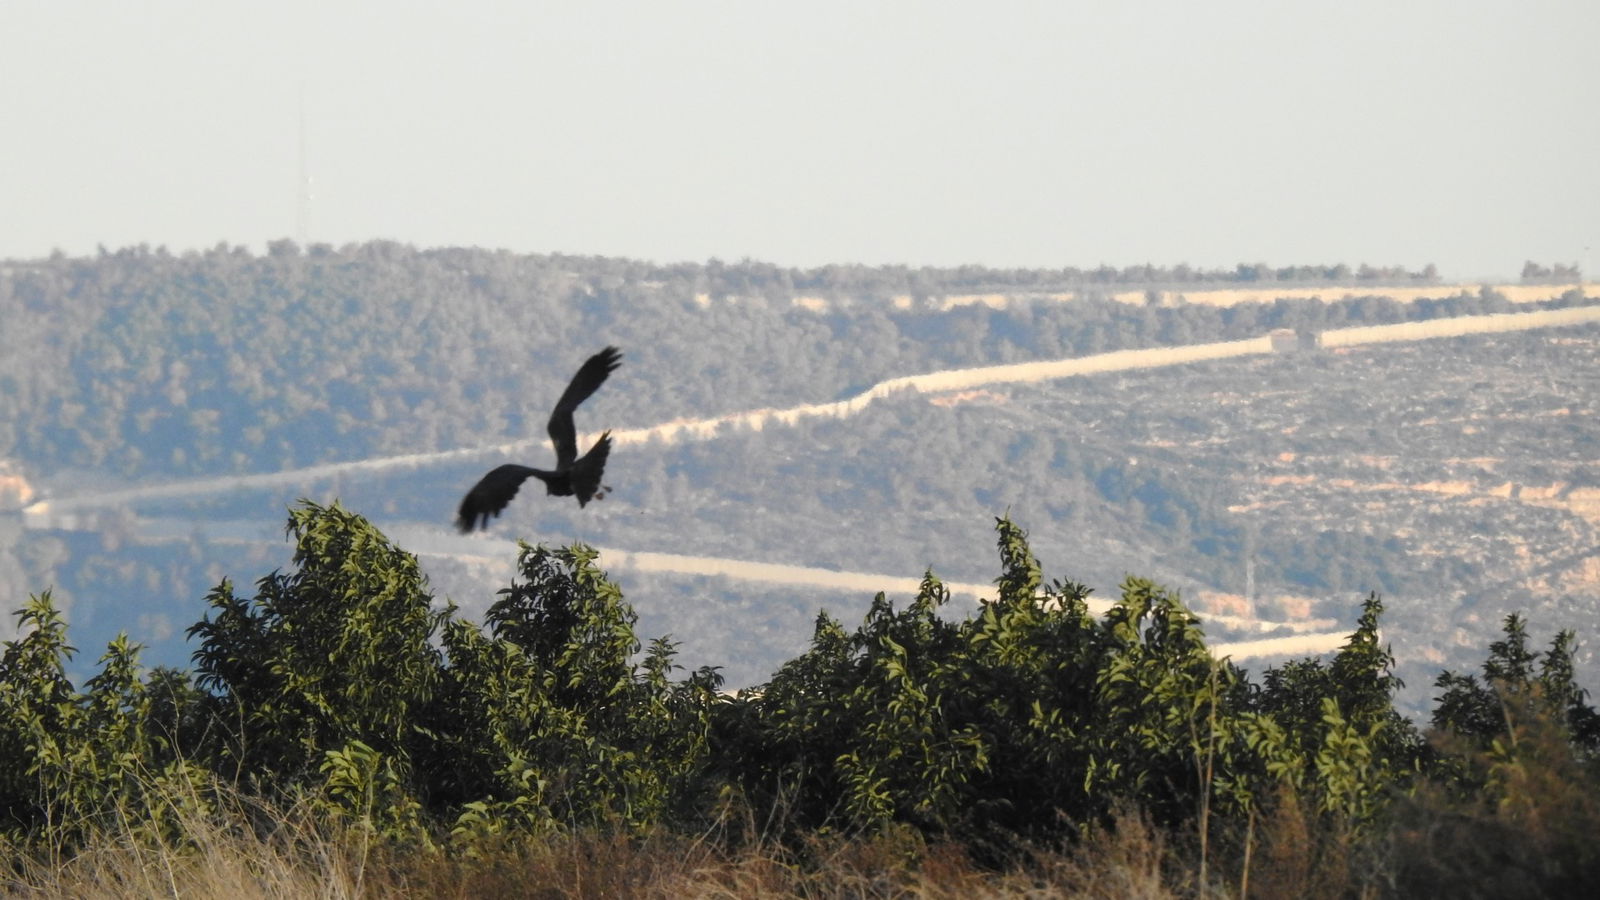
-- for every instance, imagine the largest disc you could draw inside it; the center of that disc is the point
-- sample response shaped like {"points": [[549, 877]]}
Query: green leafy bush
{"points": [[344, 689]]}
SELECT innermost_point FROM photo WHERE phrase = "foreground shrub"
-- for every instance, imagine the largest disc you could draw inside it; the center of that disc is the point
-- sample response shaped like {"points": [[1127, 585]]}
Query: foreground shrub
{"points": [[1113, 754]]}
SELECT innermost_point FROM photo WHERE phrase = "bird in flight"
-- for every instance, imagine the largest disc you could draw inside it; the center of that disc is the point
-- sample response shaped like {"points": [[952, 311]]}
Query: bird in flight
{"points": [[573, 475]]}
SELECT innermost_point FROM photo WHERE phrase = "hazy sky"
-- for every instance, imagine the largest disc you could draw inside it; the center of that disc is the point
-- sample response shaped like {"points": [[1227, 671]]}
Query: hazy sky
{"points": [[1464, 133]]}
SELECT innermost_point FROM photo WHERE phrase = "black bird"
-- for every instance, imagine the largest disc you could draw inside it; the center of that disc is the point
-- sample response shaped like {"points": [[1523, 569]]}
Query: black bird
{"points": [[572, 476]]}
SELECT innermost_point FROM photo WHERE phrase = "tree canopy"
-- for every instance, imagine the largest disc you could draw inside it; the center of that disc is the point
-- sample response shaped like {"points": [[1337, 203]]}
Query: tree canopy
{"points": [[344, 681]]}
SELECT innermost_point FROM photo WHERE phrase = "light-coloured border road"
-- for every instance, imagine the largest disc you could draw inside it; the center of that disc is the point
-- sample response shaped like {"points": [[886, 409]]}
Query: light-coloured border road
{"points": [[944, 381], [64, 512]]}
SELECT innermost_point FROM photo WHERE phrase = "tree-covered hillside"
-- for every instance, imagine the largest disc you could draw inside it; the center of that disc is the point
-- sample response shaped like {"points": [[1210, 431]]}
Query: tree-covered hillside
{"points": [[1278, 483], [145, 364]]}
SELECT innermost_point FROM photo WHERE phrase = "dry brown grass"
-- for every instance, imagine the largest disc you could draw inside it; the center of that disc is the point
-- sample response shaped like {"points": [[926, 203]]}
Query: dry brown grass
{"points": [[1296, 853], [1537, 841], [222, 854], [241, 850], [245, 850], [1125, 865]]}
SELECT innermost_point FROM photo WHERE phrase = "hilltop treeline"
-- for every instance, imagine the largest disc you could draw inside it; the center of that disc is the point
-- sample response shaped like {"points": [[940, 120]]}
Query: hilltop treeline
{"points": [[143, 363], [340, 686]]}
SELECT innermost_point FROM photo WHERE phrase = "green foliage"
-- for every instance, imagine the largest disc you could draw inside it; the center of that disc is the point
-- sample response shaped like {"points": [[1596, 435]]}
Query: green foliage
{"points": [[910, 760], [1160, 690], [548, 722], [366, 790], [1033, 714], [343, 687], [339, 650], [874, 727], [1514, 803], [71, 762], [1337, 740], [1489, 720], [1008, 721], [39, 716]]}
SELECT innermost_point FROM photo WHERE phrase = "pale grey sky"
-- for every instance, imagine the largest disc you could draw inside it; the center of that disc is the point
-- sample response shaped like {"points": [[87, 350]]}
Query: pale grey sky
{"points": [[1464, 133]]}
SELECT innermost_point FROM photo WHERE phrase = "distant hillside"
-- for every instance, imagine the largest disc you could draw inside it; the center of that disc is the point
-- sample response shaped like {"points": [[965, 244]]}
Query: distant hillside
{"points": [[1250, 484], [141, 363]]}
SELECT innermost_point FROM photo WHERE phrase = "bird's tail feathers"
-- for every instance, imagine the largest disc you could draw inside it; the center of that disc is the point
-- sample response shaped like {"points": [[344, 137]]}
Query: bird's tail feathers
{"points": [[589, 468]]}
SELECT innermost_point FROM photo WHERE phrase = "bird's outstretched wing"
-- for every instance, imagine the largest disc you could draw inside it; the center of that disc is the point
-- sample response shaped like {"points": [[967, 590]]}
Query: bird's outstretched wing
{"points": [[589, 378], [490, 495]]}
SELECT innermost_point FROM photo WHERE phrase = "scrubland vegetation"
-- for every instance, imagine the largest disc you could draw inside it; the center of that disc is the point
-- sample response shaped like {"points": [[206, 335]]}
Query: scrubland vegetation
{"points": [[343, 734]]}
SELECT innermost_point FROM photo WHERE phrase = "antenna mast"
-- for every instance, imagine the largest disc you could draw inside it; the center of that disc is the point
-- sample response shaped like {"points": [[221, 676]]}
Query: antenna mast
{"points": [[303, 188]]}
